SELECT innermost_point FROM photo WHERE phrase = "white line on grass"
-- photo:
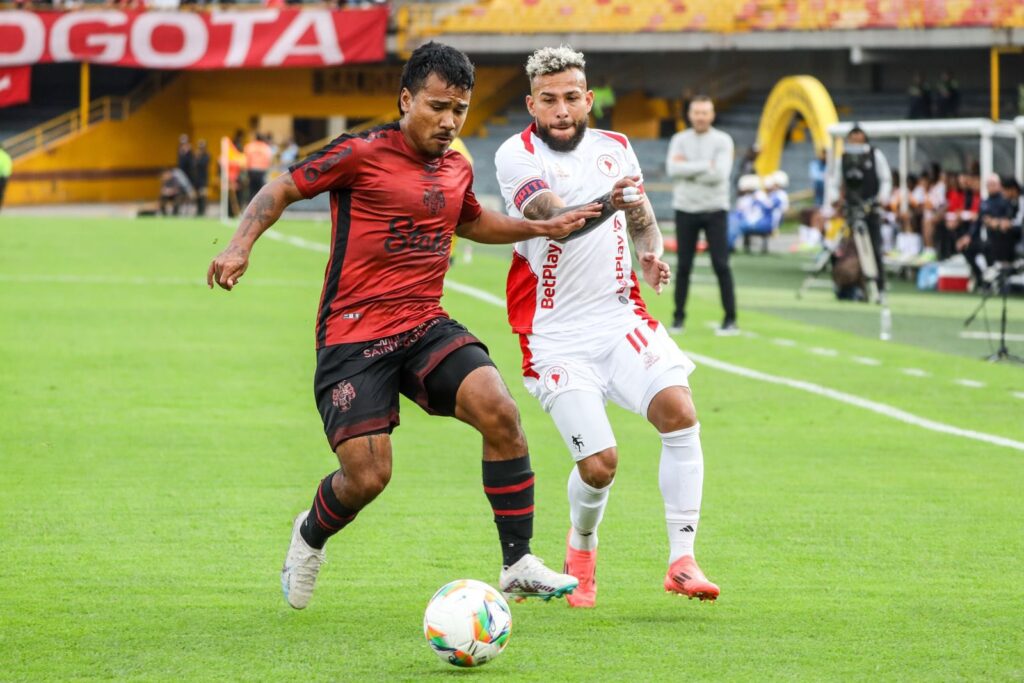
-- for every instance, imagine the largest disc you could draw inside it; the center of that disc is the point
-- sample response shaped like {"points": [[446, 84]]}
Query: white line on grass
{"points": [[1018, 394], [819, 351], [971, 383], [873, 406], [990, 336], [915, 372], [784, 342], [864, 360]]}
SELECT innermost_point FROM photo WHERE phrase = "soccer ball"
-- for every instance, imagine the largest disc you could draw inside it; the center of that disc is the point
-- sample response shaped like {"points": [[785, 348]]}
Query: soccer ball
{"points": [[467, 623]]}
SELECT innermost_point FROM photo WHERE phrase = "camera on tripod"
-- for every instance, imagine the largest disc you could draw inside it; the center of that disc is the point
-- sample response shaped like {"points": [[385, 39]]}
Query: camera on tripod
{"points": [[860, 177]]}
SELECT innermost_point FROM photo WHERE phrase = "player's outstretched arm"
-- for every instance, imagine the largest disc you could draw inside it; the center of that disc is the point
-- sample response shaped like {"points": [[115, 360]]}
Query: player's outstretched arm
{"points": [[263, 211], [491, 227]]}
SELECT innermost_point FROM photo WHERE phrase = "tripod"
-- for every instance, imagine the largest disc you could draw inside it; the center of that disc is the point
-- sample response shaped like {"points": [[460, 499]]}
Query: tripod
{"points": [[1001, 285]]}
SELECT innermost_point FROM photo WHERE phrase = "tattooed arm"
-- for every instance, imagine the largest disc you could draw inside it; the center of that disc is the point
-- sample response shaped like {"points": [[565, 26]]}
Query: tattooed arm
{"points": [[263, 211]]}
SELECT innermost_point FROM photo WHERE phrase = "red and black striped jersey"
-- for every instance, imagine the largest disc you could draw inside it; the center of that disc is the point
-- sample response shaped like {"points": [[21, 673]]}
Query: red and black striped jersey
{"points": [[393, 214]]}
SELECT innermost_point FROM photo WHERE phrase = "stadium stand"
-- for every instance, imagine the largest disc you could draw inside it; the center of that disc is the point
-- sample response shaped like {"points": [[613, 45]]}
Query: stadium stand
{"points": [[727, 16]]}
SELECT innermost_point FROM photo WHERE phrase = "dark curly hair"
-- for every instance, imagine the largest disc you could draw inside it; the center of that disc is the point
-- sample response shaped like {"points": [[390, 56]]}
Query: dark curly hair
{"points": [[450, 65]]}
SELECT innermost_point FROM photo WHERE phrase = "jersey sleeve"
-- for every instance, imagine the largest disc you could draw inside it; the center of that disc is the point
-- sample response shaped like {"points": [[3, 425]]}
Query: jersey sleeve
{"points": [[471, 208], [520, 176], [633, 164], [333, 167]]}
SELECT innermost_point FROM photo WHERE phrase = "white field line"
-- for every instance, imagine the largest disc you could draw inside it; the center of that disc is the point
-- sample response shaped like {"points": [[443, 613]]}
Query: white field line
{"points": [[819, 351], [850, 399], [971, 383], [994, 336], [864, 360], [784, 342], [915, 372], [1018, 394], [142, 281]]}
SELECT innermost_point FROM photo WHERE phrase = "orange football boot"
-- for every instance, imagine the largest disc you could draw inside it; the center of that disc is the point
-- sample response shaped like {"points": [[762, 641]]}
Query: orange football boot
{"points": [[583, 565], [685, 578]]}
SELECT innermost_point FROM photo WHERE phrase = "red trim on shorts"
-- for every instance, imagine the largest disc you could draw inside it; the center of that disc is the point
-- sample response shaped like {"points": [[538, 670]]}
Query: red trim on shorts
{"points": [[512, 488], [374, 424], [433, 360], [519, 512], [521, 294], [525, 135], [638, 303], [640, 336], [629, 337], [524, 345]]}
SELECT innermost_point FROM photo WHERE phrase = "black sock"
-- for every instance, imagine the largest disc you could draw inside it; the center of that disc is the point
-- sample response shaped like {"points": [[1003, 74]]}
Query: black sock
{"points": [[327, 516], [509, 488]]}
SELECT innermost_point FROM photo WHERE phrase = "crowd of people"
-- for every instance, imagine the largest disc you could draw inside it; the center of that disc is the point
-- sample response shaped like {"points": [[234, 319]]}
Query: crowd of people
{"points": [[945, 215], [941, 103]]}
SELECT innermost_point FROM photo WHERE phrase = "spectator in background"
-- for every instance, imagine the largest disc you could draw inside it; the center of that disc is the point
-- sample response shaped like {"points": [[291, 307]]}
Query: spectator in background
{"points": [[175, 191], [201, 176], [5, 172], [920, 99], [186, 162], [699, 163], [258, 158], [289, 154], [604, 103], [990, 238], [907, 243], [947, 97], [233, 163], [816, 170], [747, 165], [933, 211]]}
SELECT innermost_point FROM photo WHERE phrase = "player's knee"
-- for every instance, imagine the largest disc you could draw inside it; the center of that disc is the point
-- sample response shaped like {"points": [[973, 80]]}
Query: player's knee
{"points": [[598, 470], [672, 410], [500, 423], [367, 484]]}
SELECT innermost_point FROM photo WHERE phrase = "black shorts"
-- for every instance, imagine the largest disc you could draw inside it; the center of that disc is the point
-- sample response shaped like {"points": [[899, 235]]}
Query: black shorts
{"points": [[357, 385]]}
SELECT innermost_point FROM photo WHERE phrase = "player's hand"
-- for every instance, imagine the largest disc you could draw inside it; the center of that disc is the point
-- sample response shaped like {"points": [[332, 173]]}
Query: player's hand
{"points": [[657, 273], [228, 267], [561, 226], [627, 192]]}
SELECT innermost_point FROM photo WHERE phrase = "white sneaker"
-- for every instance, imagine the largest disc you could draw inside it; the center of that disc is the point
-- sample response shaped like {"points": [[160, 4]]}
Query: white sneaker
{"points": [[301, 565], [529, 578]]}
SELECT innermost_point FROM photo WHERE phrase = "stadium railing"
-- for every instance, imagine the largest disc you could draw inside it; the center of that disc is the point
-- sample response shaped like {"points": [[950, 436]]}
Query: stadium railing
{"points": [[106, 108]]}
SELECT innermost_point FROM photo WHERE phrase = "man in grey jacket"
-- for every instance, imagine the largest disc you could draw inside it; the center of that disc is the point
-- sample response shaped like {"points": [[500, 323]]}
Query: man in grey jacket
{"points": [[700, 162]]}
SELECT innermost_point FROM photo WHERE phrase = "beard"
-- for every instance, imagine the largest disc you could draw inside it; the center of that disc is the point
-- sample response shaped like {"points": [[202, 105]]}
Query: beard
{"points": [[563, 144]]}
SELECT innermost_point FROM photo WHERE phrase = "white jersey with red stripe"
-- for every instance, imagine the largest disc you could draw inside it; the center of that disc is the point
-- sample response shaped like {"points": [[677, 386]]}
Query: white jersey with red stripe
{"points": [[580, 288]]}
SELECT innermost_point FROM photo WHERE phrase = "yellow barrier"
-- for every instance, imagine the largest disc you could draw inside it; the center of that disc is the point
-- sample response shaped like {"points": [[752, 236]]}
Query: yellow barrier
{"points": [[803, 95]]}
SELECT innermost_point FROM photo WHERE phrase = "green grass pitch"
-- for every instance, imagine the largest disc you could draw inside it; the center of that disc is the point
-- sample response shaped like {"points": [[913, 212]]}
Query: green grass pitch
{"points": [[156, 440]]}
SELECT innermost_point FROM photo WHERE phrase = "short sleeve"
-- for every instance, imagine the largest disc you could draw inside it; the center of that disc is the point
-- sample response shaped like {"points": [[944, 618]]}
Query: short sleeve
{"points": [[471, 209], [333, 167], [633, 164], [520, 175]]}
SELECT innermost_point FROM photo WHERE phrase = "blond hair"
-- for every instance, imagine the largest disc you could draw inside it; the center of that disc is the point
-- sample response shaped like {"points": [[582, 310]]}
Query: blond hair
{"points": [[553, 60]]}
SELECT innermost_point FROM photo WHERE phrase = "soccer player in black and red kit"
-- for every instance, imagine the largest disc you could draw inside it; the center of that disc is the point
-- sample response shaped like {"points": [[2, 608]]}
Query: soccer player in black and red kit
{"points": [[397, 196]]}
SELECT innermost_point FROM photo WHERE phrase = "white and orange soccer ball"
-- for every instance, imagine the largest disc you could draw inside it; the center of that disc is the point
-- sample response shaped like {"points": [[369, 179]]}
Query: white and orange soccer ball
{"points": [[467, 623]]}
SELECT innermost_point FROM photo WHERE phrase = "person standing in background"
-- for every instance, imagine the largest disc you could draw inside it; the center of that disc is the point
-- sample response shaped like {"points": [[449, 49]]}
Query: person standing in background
{"points": [[201, 176], [699, 163], [5, 172], [258, 158], [186, 160]]}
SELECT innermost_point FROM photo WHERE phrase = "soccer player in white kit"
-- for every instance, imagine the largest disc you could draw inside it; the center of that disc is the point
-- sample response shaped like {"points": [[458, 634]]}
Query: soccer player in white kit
{"points": [[584, 329]]}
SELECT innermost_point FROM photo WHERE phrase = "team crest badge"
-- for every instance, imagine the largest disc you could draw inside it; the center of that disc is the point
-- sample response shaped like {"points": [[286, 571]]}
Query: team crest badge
{"points": [[433, 199], [556, 378], [607, 164], [342, 395]]}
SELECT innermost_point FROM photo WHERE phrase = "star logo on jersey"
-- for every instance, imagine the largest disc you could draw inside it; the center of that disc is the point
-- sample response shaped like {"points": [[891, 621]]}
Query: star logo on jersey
{"points": [[342, 395], [607, 164], [556, 378], [433, 199]]}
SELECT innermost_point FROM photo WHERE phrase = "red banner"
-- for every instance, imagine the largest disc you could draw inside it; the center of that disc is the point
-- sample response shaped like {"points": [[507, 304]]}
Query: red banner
{"points": [[14, 85], [257, 38]]}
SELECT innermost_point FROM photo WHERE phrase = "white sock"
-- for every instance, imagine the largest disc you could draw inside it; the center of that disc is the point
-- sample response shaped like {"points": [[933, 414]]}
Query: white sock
{"points": [[681, 479], [586, 508]]}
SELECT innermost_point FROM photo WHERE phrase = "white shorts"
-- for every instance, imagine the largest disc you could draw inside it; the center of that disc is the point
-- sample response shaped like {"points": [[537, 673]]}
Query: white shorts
{"points": [[629, 368]]}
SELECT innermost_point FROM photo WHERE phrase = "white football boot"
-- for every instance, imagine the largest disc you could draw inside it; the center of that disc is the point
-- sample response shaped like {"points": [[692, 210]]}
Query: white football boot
{"points": [[529, 578], [301, 565]]}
